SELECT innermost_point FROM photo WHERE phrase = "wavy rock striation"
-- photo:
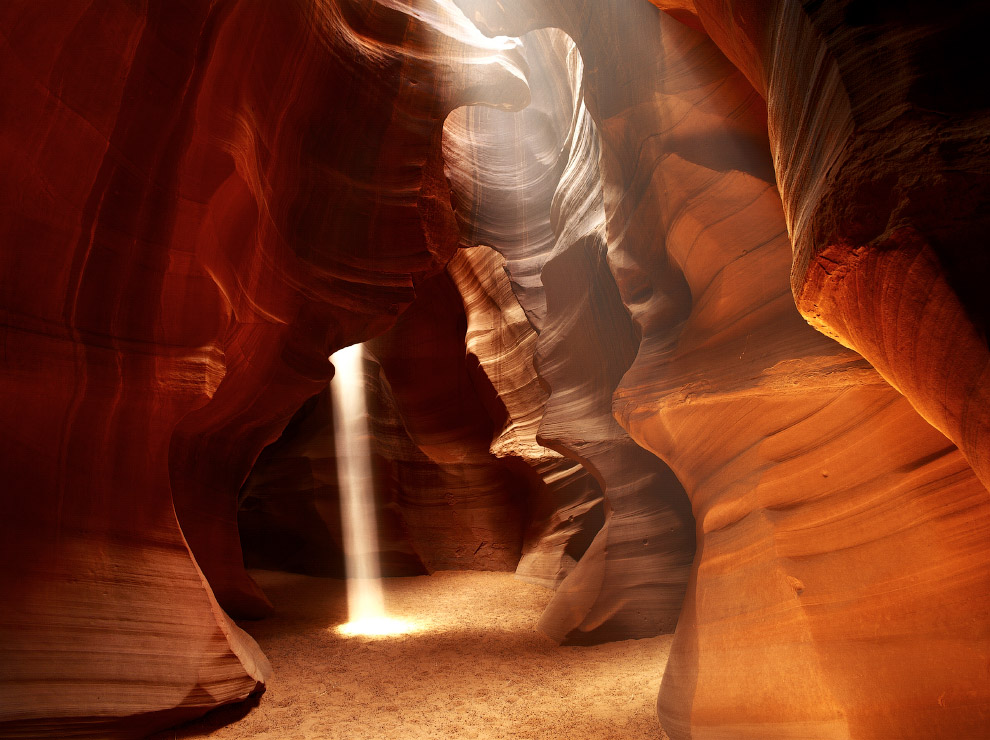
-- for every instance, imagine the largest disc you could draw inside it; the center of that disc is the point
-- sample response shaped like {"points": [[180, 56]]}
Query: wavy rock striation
{"points": [[539, 204], [841, 539], [192, 223], [880, 148], [204, 199], [466, 508], [493, 157], [381, 170], [564, 505]]}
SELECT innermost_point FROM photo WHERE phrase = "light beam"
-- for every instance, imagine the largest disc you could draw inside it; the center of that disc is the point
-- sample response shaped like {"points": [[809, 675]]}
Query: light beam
{"points": [[365, 601]]}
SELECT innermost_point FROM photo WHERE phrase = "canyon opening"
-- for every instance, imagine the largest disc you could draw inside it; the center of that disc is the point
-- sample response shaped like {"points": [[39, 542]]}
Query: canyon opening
{"points": [[412, 369]]}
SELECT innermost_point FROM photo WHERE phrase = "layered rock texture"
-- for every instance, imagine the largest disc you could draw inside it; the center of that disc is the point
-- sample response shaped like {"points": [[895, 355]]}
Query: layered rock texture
{"points": [[676, 307], [841, 537], [203, 201], [540, 206], [879, 143], [564, 503], [462, 503]]}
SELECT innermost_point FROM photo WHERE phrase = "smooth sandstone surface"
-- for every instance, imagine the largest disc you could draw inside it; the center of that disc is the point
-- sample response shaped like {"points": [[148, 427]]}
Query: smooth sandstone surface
{"points": [[604, 378], [813, 610], [879, 144], [462, 505], [192, 223], [454, 411], [540, 204], [564, 500]]}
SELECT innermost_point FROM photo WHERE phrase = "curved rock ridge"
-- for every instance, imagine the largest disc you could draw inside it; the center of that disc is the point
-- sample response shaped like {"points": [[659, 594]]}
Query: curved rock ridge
{"points": [[406, 65], [880, 149], [492, 156], [191, 223], [414, 487], [466, 508], [841, 567], [565, 503], [798, 507], [505, 169], [631, 581], [503, 342], [793, 450], [204, 199], [540, 184]]}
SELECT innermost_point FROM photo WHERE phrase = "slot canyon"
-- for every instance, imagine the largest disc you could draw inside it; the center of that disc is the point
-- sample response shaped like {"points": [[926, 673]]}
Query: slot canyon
{"points": [[673, 322]]}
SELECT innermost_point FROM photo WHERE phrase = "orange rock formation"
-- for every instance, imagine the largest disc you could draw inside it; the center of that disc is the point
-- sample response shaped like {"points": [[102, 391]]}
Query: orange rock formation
{"points": [[616, 386], [205, 199]]}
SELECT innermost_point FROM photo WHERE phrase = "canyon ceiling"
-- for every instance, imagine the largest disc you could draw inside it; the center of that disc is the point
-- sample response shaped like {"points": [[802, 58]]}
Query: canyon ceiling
{"points": [[679, 309]]}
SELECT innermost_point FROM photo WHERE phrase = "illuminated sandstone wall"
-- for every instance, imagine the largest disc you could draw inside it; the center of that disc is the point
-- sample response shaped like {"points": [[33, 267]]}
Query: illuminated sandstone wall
{"points": [[842, 562], [564, 502], [528, 185], [879, 142], [461, 479], [504, 172], [192, 221]]}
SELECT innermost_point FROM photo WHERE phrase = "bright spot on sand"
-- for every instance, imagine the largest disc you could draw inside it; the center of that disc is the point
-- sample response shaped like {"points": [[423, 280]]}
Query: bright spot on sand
{"points": [[377, 627]]}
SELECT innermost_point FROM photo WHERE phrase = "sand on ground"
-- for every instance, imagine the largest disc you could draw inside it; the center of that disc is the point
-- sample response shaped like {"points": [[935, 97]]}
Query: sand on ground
{"points": [[476, 669]]}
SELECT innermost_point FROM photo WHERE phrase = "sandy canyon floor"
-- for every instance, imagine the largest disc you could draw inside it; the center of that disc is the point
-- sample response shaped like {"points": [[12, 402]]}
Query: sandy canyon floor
{"points": [[476, 669]]}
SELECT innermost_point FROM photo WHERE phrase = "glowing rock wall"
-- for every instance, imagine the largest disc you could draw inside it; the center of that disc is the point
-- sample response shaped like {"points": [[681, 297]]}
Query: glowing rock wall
{"points": [[564, 502], [841, 568], [879, 143], [192, 221], [528, 185], [204, 199]]}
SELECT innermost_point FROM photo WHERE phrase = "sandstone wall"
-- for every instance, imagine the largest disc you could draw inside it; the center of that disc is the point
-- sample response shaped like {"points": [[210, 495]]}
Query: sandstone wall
{"points": [[192, 221], [528, 185], [813, 609], [204, 199], [879, 144]]}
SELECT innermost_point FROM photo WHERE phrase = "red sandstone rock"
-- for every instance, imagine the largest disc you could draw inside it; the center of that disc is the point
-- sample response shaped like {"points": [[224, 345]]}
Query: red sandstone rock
{"points": [[174, 278], [630, 582], [842, 563], [456, 517], [772, 430], [565, 501], [473, 516], [880, 149], [409, 235]]}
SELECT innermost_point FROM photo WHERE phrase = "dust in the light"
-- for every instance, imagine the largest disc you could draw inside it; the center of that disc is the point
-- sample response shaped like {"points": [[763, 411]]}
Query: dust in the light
{"points": [[377, 627]]}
